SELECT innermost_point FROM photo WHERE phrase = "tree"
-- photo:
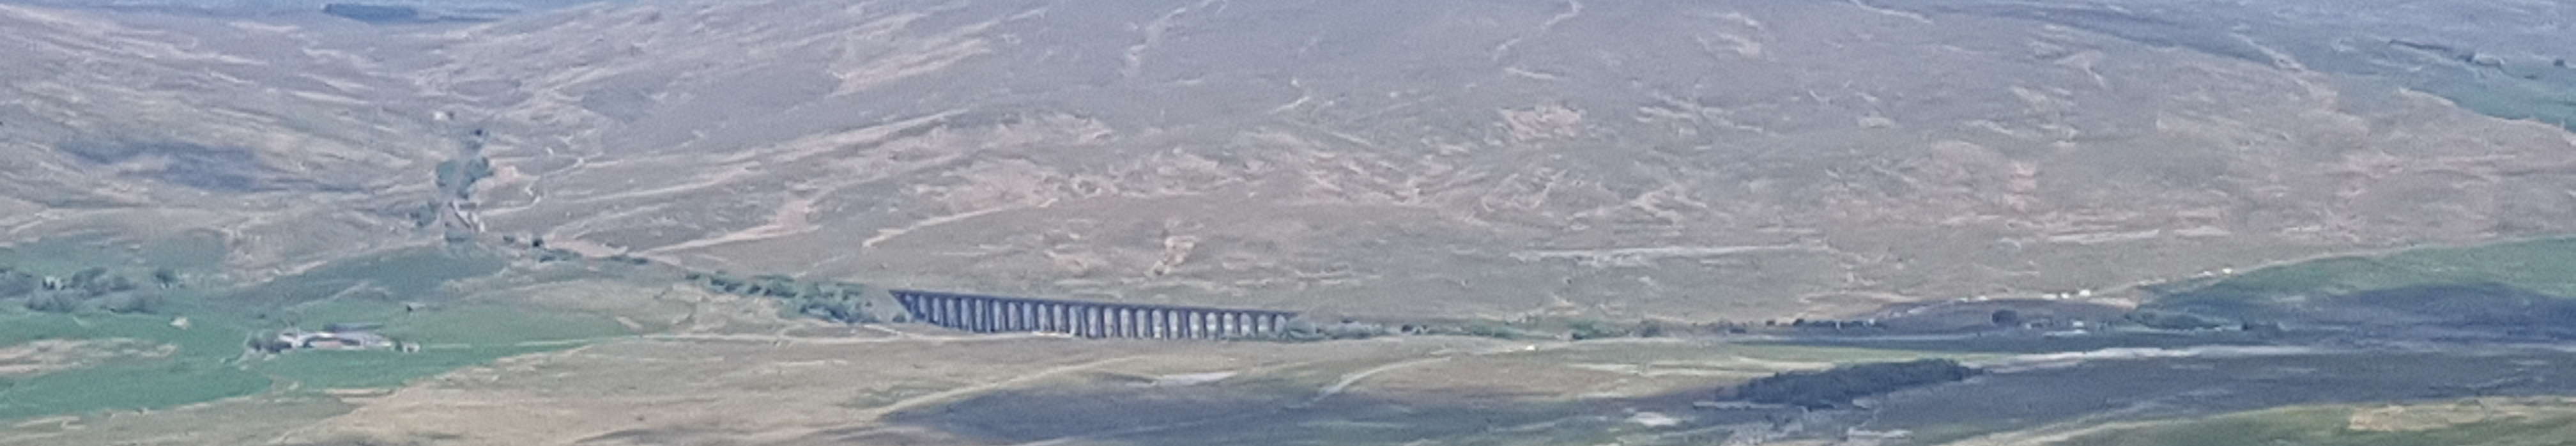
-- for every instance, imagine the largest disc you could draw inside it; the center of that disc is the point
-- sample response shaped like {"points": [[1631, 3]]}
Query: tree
{"points": [[2006, 318], [81, 280], [269, 344], [13, 283], [136, 303], [724, 283], [53, 302], [2174, 321], [100, 285], [1592, 329], [426, 215], [166, 277]]}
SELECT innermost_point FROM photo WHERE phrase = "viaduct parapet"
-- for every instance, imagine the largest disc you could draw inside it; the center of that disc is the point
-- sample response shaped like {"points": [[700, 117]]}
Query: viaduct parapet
{"points": [[997, 314]]}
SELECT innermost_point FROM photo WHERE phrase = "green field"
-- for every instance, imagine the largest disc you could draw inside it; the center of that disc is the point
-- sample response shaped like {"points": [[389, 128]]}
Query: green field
{"points": [[481, 323], [202, 363], [379, 369], [187, 253], [2547, 266], [2550, 100], [202, 367], [414, 274], [452, 336], [208, 359]]}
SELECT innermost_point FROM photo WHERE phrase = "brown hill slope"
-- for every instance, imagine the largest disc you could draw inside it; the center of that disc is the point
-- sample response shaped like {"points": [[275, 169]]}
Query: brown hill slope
{"points": [[1696, 160], [297, 150]]}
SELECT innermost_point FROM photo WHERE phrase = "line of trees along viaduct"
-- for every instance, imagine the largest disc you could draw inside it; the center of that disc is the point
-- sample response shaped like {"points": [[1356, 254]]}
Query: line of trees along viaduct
{"points": [[994, 314]]}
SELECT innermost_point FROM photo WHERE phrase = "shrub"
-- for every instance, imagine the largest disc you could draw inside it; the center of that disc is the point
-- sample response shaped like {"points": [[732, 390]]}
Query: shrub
{"points": [[84, 279], [1303, 330], [165, 277], [53, 302], [1591, 329], [14, 284], [2174, 321], [835, 301], [1492, 330], [132, 303]]}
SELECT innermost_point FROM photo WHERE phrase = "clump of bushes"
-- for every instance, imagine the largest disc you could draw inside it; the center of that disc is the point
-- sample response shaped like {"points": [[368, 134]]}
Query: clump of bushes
{"points": [[836, 301], [2176, 321], [1486, 329], [93, 289], [1837, 387], [456, 177], [1479, 328], [1537, 327], [537, 244], [1305, 330], [1836, 324], [1583, 329], [15, 283], [556, 255], [1592, 329]]}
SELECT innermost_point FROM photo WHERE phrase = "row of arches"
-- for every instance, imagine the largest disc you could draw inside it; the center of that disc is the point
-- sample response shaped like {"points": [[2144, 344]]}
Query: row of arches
{"points": [[996, 314]]}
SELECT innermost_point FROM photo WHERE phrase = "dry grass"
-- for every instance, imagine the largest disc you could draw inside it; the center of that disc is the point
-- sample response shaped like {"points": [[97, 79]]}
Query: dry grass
{"points": [[47, 355], [933, 388]]}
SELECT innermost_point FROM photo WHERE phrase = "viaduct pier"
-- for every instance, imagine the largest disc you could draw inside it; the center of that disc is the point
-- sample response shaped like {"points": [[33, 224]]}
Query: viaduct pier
{"points": [[996, 314]]}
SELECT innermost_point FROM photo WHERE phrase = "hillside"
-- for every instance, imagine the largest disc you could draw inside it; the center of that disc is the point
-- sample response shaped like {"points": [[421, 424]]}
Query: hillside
{"points": [[1736, 160], [1504, 222]]}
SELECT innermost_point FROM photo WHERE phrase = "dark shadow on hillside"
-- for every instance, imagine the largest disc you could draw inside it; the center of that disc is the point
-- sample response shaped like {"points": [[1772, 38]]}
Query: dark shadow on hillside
{"points": [[2175, 387], [2001, 342], [1278, 414], [392, 14], [2103, 389], [205, 167]]}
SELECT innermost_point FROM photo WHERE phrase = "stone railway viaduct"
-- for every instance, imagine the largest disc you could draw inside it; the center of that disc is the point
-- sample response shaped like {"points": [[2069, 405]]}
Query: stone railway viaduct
{"points": [[995, 314]]}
